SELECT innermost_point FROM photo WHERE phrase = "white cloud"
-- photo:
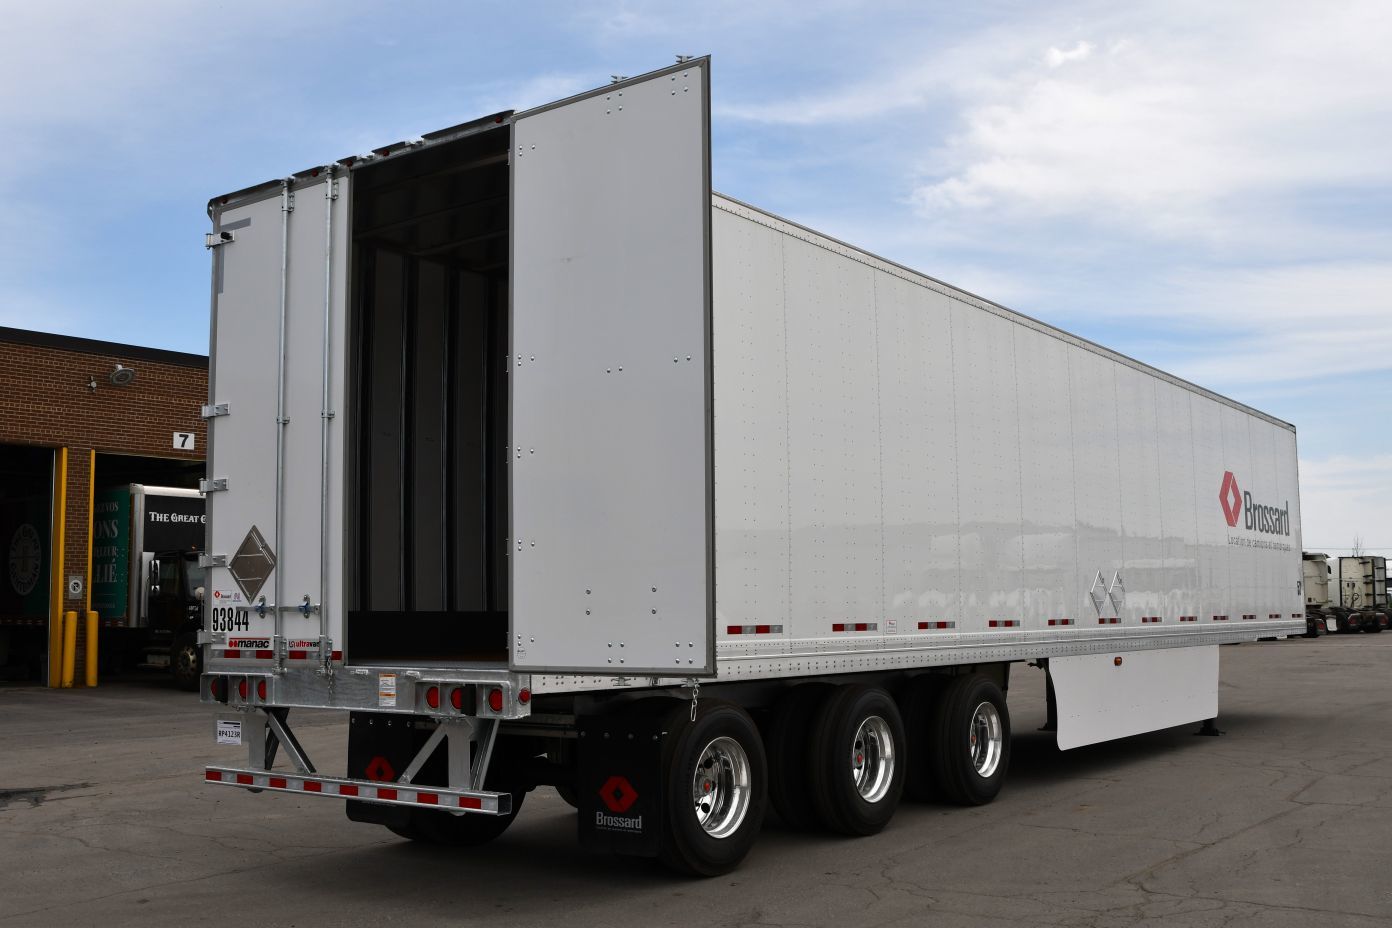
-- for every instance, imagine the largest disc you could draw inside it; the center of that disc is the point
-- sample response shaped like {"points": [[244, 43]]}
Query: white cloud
{"points": [[1178, 122], [1055, 57], [1342, 496]]}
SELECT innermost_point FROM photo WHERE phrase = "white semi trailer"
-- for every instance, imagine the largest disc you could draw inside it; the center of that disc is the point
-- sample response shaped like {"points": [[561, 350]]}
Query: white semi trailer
{"points": [[551, 467]]}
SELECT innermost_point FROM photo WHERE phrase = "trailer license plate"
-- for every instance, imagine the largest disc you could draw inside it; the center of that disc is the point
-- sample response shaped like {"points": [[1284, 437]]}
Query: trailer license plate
{"points": [[229, 731], [231, 619]]}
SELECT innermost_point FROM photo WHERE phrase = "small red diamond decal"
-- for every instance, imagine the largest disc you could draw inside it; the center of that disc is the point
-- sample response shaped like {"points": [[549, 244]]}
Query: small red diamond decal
{"points": [[618, 794], [1231, 499]]}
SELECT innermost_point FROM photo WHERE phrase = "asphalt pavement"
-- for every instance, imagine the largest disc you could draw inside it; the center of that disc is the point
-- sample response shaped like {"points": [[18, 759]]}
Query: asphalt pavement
{"points": [[1285, 820]]}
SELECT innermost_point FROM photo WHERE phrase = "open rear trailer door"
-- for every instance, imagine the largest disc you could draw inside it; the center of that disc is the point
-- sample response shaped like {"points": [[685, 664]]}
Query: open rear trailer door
{"points": [[611, 542]]}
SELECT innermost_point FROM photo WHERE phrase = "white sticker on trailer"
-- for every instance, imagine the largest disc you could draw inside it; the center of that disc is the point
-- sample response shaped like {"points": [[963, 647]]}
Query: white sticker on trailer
{"points": [[229, 731], [386, 690]]}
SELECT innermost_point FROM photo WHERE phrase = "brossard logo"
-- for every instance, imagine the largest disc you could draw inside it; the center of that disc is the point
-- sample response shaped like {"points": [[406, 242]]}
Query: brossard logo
{"points": [[619, 795], [1256, 517]]}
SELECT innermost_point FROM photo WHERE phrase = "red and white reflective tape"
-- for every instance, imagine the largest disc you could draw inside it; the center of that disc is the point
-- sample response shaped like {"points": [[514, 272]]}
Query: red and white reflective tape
{"points": [[1053, 622], [1003, 623], [1220, 618], [1248, 617], [1112, 621], [401, 794], [1297, 615], [1188, 618], [754, 630], [1150, 619], [930, 626], [856, 627], [1273, 615], [264, 654]]}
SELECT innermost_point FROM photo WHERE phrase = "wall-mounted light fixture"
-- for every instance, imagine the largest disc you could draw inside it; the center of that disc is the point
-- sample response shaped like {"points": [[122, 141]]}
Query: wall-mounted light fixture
{"points": [[121, 376]]}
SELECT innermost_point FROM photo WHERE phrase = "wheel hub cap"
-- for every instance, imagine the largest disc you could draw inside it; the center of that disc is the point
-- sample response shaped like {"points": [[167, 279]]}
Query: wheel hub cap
{"points": [[872, 759], [720, 788], [985, 739]]}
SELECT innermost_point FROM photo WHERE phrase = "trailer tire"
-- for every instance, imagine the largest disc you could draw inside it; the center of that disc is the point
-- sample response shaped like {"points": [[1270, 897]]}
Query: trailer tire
{"points": [[789, 731], [917, 704], [467, 830], [186, 662], [970, 741], [858, 754], [720, 758]]}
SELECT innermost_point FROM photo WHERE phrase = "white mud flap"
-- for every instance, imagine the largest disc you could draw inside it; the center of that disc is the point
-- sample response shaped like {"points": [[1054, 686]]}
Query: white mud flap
{"points": [[1117, 694]]}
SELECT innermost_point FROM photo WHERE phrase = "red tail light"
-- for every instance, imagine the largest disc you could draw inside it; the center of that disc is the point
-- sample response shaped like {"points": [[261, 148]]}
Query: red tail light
{"points": [[242, 688], [261, 690], [217, 688], [432, 697], [457, 699], [495, 699], [524, 696]]}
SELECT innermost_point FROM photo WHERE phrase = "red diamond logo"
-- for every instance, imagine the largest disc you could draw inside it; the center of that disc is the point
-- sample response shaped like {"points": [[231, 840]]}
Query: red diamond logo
{"points": [[1231, 498], [379, 770], [618, 794]]}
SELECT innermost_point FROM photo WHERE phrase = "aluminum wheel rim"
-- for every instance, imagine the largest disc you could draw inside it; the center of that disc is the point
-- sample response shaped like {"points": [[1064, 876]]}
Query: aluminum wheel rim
{"points": [[985, 739], [720, 790], [872, 759]]}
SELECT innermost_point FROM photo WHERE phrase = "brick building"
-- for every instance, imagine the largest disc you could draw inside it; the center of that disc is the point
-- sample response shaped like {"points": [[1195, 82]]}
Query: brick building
{"points": [[78, 416]]}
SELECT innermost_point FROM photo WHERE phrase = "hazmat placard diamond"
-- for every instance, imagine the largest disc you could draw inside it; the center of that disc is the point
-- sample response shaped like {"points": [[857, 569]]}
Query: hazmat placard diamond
{"points": [[252, 563]]}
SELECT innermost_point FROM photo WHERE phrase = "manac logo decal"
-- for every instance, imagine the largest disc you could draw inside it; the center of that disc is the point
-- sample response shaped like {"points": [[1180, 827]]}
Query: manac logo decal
{"points": [[1256, 517]]}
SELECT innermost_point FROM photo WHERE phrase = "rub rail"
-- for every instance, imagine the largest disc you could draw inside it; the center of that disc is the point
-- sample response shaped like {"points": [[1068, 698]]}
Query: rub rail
{"points": [[398, 794]]}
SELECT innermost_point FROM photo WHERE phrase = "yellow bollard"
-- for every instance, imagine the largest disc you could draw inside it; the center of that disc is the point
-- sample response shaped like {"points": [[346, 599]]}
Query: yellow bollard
{"points": [[91, 648], [69, 648]]}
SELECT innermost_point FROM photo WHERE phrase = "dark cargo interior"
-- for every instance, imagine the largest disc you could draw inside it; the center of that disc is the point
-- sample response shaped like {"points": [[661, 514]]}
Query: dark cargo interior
{"points": [[427, 515]]}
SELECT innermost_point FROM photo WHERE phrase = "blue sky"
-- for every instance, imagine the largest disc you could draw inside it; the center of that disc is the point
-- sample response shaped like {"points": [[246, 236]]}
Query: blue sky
{"points": [[1206, 187]]}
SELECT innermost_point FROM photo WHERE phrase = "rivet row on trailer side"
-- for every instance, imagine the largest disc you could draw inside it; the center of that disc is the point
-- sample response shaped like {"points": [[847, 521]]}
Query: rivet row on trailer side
{"points": [[552, 467]]}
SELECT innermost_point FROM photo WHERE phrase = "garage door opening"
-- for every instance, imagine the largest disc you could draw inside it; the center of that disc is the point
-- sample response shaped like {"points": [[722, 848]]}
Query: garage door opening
{"points": [[26, 525]]}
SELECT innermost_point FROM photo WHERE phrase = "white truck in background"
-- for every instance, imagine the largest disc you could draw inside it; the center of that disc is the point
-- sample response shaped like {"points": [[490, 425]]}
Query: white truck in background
{"points": [[549, 466], [1360, 584]]}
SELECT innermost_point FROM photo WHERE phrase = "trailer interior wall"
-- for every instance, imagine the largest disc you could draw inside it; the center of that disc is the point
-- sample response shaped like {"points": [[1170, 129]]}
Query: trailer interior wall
{"points": [[900, 465], [428, 500]]}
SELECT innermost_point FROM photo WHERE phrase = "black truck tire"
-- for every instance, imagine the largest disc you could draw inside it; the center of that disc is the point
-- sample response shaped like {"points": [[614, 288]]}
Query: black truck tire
{"points": [[857, 754], [971, 740], [186, 662], [717, 789], [789, 731], [917, 703]]}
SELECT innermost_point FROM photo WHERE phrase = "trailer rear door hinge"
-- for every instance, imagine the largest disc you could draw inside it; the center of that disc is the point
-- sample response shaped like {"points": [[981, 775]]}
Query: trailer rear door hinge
{"points": [[214, 239], [212, 560], [213, 411], [211, 485]]}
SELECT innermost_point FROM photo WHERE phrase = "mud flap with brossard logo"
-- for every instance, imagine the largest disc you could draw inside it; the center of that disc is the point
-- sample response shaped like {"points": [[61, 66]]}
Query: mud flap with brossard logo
{"points": [[620, 786], [380, 746]]}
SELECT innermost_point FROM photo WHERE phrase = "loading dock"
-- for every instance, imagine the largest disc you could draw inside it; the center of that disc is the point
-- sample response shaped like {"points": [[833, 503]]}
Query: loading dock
{"points": [[77, 417]]}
